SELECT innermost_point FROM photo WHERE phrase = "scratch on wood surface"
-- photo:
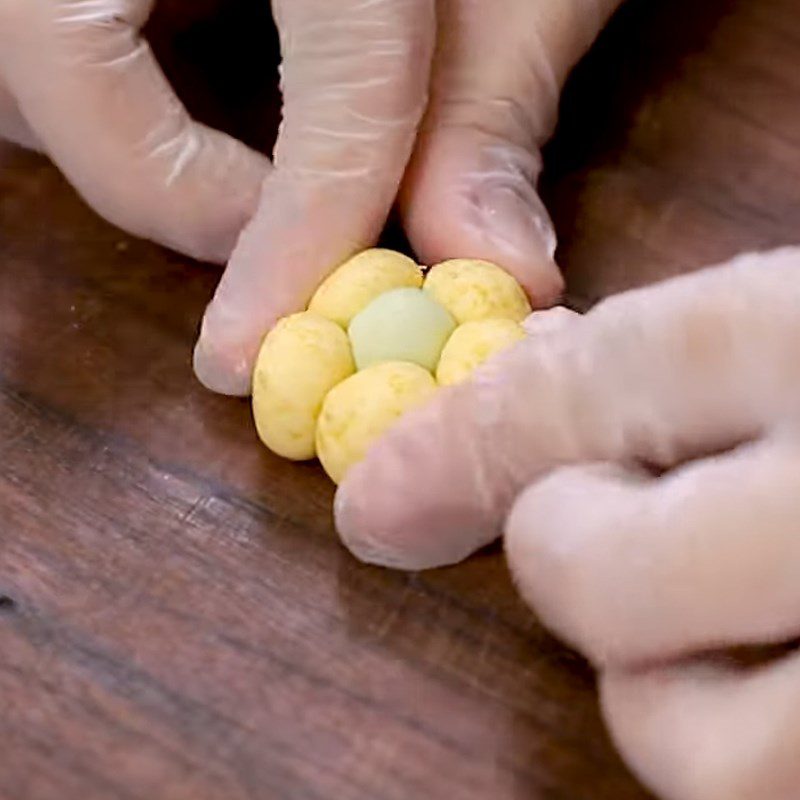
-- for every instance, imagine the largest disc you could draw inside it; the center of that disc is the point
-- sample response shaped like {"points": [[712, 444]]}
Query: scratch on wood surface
{"points": [[393, 613], [187, 517]]}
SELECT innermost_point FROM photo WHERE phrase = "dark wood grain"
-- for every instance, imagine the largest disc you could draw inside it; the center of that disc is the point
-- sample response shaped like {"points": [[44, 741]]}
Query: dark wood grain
{"points": [[177, 619], [693, 154]]}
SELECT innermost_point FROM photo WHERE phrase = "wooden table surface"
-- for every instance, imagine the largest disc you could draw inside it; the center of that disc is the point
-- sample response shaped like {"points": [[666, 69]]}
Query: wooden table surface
{"points": [[177, 619]]}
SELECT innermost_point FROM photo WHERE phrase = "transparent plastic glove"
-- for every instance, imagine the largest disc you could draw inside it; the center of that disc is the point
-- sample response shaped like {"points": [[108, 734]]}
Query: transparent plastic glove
{"points": [[470, 191], [355, 81], [78, 82], [649, 576], [498, 72], [645, 575], [653, 376]]}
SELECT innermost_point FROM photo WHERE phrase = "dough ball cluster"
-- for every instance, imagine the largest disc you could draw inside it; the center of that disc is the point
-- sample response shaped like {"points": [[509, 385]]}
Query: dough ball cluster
{"points": [[377, 340]]}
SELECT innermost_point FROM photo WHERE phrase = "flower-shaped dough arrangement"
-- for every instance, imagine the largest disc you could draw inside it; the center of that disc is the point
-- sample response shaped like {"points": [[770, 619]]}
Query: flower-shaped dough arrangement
{"points": [[377, 340]]}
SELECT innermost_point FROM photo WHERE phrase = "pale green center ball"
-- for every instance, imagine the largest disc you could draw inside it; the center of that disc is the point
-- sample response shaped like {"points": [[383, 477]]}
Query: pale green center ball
{"points": [[401, 325]]}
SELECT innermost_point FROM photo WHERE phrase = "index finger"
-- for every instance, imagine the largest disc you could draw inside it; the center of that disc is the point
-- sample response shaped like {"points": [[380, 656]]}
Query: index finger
{"points": [[355, 81], [657, 375], [97, 102]]}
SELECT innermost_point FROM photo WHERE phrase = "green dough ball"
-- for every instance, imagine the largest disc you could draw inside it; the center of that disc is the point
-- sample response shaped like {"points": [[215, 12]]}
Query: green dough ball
{"points": [[401, 325]]}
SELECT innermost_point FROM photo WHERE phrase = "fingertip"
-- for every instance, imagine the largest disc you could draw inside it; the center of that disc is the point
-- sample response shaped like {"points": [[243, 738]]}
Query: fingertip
{"points": [[534, 269], [224, 355], [510, 226], [369, 525], [412, 502], [466, 197], [379, 525], [221, 372]]}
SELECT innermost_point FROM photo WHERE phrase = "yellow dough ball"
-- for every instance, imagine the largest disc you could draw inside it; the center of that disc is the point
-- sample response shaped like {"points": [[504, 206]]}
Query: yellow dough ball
{"points": [[356, 412], [301, 360], [401, 325], [473, 343], [360, 280], [472, 290]]}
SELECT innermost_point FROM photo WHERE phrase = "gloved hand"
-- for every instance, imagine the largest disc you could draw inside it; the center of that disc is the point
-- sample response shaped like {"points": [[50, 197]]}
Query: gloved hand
{"points": [[78, 82], [356, 80], [645, 571]]}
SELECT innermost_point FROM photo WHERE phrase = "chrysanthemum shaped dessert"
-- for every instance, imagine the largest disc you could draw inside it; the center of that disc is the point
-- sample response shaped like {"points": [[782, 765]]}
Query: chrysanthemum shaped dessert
{"points": [[377, 340]]}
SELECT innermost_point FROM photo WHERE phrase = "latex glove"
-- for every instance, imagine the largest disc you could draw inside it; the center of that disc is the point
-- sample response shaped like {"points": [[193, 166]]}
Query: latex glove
{"points": [[357, 78], [78, 82], [643, 574]]}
